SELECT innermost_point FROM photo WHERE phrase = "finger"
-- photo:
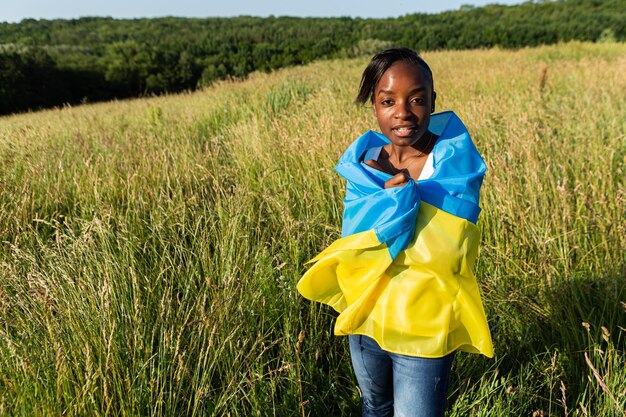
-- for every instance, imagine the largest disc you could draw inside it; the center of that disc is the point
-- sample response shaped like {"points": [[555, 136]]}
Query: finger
{"points": [[399, 178]]}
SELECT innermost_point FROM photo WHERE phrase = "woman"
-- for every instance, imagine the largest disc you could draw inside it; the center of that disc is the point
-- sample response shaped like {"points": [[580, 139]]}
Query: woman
{"points": [[401, 275]]}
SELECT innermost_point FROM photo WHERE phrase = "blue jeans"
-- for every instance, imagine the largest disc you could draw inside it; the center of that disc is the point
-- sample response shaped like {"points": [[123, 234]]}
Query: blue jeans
{"points": [[399, 385]]}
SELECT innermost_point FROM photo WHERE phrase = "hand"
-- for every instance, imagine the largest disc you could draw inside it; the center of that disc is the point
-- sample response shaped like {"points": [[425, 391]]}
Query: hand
{"points": [[397, 180]]}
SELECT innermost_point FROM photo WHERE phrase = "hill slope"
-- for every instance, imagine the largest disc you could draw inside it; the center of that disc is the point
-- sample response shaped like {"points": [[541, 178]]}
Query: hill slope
{"points": [[50, 62], [150, 248]]}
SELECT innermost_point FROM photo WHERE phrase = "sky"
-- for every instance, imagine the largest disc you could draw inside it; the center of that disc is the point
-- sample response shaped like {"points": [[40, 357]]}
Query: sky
{"points": [[16, 10]]}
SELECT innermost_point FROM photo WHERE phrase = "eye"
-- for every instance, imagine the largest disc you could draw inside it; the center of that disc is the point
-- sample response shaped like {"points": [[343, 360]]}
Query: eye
{"points": [[419, 100], [386, 102]]}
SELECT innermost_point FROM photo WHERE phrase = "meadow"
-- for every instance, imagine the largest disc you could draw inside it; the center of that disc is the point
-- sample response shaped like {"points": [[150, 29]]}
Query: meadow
{"points": [[150, 248]]}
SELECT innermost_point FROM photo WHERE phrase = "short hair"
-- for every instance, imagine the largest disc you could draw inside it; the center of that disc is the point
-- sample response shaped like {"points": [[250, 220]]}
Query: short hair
{"points": [[380, 63]]}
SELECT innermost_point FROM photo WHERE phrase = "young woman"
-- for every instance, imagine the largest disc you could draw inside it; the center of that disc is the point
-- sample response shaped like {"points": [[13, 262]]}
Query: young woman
{"points": [[401, 275]]}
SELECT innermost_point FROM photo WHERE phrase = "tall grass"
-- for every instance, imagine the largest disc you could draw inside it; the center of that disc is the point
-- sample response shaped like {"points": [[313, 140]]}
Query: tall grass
{"points": [[150, 248]]}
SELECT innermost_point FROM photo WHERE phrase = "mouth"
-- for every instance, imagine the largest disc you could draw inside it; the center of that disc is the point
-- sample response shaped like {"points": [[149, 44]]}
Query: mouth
{"points": [[404, 131]]}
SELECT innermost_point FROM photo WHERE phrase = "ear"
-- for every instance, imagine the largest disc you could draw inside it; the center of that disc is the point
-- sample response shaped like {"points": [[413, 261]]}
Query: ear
{"points": [[432, 109], [374, 110]]}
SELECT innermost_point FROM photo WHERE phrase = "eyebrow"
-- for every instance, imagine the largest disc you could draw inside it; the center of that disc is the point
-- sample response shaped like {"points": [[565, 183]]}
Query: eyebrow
{"points": [[415, 90]]}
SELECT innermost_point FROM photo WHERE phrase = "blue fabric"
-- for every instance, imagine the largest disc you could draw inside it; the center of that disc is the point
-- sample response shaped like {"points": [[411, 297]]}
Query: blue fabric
{"points": [[453, 187], [400, 385]]}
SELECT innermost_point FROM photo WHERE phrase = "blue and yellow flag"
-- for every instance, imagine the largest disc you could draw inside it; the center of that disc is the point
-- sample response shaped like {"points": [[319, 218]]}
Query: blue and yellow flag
{"points": [[402, 271]]}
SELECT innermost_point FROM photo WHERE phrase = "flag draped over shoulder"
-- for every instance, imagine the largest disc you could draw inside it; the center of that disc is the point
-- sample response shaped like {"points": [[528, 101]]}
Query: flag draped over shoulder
{"points": [[402, 271]]}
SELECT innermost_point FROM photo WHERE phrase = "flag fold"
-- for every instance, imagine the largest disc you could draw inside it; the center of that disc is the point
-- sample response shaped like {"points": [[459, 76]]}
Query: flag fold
{"points": [[402, 272]]}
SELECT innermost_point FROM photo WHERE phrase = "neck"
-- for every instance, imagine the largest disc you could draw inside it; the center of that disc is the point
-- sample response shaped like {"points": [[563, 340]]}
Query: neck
{"points": [[420, 148], [400, 154]]}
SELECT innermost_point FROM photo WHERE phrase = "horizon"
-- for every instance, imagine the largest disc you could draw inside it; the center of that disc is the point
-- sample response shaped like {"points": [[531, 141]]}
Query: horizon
{"points": [[191, 9]]}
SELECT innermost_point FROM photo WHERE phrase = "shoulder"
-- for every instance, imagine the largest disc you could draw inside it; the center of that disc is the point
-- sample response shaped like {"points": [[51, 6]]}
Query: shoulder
{"points": [[374, 164]]}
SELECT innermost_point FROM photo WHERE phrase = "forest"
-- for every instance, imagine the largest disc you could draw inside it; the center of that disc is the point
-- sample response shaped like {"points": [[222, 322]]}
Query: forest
{"points": [[47, 63]]}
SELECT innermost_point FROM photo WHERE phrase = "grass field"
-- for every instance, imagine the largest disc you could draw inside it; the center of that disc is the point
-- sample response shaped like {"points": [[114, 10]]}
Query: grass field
{"points": [[150, 248]]}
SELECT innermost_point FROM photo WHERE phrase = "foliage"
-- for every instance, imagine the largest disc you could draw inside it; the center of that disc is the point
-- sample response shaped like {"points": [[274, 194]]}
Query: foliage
{"points": [[150, 248], [94, 59]]}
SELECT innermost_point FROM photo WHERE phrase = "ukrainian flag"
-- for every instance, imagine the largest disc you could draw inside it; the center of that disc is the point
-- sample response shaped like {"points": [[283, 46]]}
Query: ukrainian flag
{"points": [[402, 271]]}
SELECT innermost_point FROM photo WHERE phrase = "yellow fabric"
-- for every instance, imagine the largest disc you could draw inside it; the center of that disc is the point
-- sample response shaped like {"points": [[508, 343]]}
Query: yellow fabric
{"points": [[424, 303]]}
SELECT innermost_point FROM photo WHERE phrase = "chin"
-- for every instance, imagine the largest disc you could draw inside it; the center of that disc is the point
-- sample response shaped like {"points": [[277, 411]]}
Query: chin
{"points": [[403, 141]]}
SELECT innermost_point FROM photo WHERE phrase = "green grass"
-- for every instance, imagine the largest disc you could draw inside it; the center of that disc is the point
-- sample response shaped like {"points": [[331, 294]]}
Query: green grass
{"points": [[150, 248]]}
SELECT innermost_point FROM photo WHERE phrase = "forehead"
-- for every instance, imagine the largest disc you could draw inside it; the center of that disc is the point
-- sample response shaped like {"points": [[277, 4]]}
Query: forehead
{"points": [[403, 72]]}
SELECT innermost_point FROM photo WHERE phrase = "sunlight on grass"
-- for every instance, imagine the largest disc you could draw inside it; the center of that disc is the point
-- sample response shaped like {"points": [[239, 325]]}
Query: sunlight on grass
{"points": [[150, 248]]}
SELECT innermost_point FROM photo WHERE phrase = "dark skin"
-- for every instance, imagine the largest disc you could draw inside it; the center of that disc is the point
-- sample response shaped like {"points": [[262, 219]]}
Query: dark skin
{"points": [[402, 102]]}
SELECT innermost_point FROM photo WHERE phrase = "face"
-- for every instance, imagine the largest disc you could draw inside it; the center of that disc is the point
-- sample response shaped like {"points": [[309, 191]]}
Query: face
{"points": [[403, 102]]}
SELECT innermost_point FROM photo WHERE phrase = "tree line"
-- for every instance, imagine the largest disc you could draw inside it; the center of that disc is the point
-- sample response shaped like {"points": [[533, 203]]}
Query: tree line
{"points": [[46, 63]]}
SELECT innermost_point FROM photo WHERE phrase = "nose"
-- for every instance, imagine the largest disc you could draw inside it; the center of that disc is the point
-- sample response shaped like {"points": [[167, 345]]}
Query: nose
{"points": [[402, 109]]}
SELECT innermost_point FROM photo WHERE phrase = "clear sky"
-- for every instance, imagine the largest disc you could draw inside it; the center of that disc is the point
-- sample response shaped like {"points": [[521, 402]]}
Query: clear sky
{"points": [[16, 10]]}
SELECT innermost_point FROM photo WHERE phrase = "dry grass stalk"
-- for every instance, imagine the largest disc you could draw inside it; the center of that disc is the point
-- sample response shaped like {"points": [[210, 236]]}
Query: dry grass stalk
{"points": [[598, 378]]}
